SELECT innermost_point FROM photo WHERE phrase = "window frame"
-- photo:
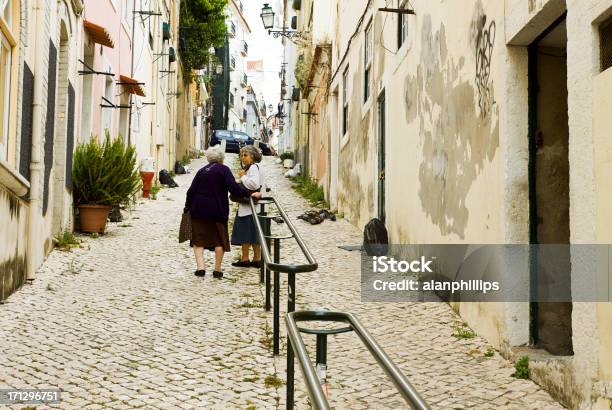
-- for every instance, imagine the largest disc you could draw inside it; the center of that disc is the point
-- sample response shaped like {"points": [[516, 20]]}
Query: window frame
{"points": [[8, 42]]}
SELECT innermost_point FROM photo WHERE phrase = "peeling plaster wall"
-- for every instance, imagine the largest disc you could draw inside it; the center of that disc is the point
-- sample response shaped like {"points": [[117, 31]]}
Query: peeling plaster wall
{"points": [[442, 124], [443, 131], [457, 148]]}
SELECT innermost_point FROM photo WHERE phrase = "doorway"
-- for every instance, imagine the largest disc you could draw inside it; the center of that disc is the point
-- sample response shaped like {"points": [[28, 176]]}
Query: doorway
{"points": [[551, 313], [381, 156]]}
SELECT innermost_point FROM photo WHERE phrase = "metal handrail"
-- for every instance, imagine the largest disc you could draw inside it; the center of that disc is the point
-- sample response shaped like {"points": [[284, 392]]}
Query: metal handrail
{"points": [[265, 251], [268, 265], [315, 391]]}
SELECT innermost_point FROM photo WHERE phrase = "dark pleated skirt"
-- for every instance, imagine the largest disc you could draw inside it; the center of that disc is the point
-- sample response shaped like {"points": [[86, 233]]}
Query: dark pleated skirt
{"points": [[209, 234], [244, 231]]}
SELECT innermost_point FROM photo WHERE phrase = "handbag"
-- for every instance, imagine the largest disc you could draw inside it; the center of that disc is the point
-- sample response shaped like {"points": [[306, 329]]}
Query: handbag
{"points": [[243, 200], [185, 228]]}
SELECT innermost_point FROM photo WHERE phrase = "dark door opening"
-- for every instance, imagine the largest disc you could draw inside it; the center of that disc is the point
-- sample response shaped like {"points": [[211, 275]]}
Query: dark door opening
{"points": [[381, 156], [551, 322]]}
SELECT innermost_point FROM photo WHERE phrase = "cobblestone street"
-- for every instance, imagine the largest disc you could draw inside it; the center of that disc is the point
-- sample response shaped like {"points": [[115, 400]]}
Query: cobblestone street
{"points": [[122, 323]]}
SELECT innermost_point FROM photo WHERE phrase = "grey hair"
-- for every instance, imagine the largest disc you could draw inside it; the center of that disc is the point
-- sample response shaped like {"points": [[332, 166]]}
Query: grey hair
{"points": [[215, 154], [252, 151]]}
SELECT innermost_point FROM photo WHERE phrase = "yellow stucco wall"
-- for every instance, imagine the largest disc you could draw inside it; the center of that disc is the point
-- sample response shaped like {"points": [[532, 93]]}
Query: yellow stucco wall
{"points": [[602, 148]]}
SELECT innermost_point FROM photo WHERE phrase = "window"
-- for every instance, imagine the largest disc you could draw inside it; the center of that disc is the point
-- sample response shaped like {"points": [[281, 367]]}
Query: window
{"points": [[345, 102], [402, 28], [107, 113], [369, 43], [7, 42]]}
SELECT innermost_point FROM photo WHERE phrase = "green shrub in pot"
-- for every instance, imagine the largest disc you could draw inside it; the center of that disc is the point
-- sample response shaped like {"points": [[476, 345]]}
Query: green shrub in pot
{"points": [[104, 175], [286, 155]]}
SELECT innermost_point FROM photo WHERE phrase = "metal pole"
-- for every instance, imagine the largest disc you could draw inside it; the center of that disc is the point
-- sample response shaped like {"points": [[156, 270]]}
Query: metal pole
{"points": [[290, 369], [322, 349], [290, 376], [322, 360], [262, 265], [291, 293], [267, 230], [276, 298]]}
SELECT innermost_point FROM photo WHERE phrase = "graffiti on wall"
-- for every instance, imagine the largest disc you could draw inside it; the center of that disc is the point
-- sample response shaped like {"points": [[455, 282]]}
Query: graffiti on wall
{"points": [[483, 39]]}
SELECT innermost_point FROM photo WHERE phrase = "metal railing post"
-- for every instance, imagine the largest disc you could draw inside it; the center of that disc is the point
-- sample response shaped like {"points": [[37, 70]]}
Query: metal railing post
{"points": [[291, 293], [268, 232], [290, 376], [290, 361], [316, 384], [262, 264], [321, 360], [276, 318]]}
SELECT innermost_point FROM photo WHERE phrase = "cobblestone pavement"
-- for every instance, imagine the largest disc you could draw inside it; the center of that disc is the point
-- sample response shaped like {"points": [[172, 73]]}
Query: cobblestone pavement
{"points": [[123, 323]]}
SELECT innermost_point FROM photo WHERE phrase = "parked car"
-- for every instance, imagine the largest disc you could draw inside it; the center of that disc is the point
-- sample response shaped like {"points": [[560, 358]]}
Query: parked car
{"points": [[236, 140]]}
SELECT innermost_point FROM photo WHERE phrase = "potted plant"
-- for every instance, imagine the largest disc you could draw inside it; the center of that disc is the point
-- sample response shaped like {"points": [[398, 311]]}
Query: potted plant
{"points": [[103, 175], [287, 158]]}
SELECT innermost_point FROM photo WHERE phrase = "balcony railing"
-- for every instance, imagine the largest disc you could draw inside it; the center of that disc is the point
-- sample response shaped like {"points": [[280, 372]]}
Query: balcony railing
{"points": [[233, 63], [244, 114], [231, 100], [244, 81], [245, 48], [232, 29]]}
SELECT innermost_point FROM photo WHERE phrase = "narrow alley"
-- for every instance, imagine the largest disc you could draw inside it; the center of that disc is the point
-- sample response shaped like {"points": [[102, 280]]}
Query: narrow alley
{"points": [[123, 323]]}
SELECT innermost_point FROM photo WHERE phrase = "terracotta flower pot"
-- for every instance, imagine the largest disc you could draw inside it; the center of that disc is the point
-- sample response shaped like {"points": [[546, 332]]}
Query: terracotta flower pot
{"points": [[93, 217]]}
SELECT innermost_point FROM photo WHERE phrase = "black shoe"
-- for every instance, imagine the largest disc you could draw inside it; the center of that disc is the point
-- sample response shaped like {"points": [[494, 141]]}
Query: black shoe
{"points": [[255, 264], [242, 264], [200, 273], [217, 274]]}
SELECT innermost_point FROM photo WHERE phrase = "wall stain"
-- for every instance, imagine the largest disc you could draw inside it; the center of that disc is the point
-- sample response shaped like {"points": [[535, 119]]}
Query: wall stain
{"points": [[482, 38], [456, 137], [13, 266], [353, 187], [12, 276]]}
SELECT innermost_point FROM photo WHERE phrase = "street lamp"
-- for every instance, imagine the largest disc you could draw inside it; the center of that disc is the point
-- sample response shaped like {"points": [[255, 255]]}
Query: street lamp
{"points": [[267, 17]]}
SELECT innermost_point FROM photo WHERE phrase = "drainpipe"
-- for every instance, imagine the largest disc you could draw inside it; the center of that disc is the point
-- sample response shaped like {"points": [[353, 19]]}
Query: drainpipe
{"points": [[36, 165], [132, 72]]}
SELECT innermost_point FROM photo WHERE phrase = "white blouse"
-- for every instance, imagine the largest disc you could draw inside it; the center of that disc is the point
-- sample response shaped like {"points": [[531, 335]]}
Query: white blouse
{"points": [[253, 180]]}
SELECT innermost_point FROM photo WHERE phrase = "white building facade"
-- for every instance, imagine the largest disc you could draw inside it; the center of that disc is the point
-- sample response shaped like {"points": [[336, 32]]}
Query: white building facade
{"points": [[238, 32]]}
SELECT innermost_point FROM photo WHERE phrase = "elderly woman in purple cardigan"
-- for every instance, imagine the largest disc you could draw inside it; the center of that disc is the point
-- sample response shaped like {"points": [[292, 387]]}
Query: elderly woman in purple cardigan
{"points": [[207, 202]]}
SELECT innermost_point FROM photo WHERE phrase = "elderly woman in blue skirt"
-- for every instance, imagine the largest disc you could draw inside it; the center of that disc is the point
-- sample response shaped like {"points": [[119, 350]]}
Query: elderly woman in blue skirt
{"points": [[245, 233], [209, 207]]}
